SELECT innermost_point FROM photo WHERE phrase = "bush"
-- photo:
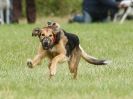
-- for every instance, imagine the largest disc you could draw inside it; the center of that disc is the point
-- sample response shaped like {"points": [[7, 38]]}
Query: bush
{"points": [[57, 7]]}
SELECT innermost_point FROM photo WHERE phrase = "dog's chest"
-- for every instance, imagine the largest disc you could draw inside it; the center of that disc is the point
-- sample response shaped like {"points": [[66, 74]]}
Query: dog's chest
{"points": [[53, 50]]}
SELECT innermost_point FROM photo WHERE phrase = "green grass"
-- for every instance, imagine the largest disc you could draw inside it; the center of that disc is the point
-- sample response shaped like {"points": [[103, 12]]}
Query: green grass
{"points": [[106, 41]]}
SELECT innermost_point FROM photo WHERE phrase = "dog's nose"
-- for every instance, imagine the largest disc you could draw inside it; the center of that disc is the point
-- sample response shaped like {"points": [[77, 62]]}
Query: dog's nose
{"points": [[45, 43]]}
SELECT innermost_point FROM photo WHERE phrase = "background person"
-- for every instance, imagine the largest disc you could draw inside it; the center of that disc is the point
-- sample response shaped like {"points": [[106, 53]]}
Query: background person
{"points": [[30, 11], [97, 11]]}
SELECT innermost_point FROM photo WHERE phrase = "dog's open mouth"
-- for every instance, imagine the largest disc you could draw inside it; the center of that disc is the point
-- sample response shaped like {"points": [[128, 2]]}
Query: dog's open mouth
{"points": [[46, 47]]}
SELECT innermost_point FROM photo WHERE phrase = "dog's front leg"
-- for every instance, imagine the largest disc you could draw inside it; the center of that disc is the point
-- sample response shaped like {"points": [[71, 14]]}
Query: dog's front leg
{"points": [[54, 63], [37, 59], [60, 48]]}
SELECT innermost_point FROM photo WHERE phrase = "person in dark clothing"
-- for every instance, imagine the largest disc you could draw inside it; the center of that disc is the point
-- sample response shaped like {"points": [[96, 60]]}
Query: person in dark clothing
{"points": [[30, 11], [97, 10]]}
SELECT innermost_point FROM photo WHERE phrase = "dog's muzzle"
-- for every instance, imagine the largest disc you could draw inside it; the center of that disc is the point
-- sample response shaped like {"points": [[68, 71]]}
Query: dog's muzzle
{"points": [[46, 43]]}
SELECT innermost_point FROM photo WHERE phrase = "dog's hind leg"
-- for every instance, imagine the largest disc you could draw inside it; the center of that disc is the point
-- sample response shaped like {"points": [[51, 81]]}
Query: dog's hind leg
{"points": [[74, 61]]}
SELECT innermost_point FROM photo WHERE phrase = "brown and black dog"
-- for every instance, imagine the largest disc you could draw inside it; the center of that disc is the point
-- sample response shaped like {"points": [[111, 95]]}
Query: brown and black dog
{"points": [[60, 46]]}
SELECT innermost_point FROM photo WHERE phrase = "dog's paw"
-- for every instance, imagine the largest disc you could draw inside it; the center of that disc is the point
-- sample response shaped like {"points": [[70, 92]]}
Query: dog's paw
{"points": [[29, 63], [52, 72]]}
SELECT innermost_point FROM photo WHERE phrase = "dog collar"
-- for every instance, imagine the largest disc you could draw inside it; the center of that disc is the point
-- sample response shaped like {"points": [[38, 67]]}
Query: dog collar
{"points": [[56, 39]]}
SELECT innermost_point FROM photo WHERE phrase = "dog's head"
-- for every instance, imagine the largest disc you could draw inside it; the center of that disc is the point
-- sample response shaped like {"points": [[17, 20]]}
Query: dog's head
{"points": [[47, 35]]}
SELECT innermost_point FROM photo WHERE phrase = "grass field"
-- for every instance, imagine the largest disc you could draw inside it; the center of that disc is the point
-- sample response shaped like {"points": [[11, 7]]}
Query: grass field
{"points": [[106, 41]]}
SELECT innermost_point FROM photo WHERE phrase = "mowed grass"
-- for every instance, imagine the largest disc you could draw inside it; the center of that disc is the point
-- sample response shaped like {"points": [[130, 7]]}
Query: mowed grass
{"points": [[110, 41]]}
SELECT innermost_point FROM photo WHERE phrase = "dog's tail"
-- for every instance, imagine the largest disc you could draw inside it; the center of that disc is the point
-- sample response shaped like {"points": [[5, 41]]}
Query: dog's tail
{"points": [[91, 59]]}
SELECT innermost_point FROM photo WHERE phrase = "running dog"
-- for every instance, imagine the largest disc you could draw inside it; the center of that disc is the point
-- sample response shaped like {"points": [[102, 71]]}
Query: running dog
{"points": [[59, 46]]}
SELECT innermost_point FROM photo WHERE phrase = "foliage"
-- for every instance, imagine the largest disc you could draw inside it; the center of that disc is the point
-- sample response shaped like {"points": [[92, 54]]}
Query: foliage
{"points": [[57, 7]]}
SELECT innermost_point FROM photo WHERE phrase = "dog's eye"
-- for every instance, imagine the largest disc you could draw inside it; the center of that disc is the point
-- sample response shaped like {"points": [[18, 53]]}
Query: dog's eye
{"points": [[42, 34], [50, 35]]}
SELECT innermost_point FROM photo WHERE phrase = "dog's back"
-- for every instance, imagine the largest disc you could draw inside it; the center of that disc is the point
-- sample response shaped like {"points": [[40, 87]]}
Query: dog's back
{"points": [[73, 42]]}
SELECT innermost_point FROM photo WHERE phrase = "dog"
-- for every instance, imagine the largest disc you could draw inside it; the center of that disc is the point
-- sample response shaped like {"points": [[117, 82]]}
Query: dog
{"points": [[60, 46]]}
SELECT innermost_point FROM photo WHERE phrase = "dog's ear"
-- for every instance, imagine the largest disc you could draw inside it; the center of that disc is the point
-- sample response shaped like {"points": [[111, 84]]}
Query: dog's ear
{"points": [[53, 25], [56, 27], [36, 32]]}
